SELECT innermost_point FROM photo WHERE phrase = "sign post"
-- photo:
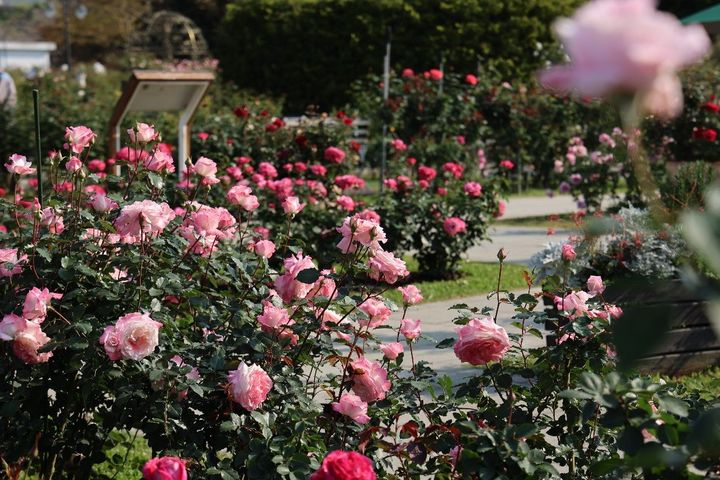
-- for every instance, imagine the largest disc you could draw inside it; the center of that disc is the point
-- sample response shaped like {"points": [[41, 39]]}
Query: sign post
{"points": [[153, 91]]}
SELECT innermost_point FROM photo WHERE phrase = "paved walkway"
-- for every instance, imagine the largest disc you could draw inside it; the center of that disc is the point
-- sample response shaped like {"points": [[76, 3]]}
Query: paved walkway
{"points": [[436, 322], [521, 243]]}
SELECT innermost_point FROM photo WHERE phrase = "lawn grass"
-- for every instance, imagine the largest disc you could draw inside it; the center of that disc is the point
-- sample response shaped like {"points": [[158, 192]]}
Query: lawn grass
{"points": [[477, 278], [559, 222]]}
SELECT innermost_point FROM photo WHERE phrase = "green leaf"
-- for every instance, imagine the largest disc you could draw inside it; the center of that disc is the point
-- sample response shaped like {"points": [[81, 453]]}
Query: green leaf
{"points": [[673, 405], [309, 275], [447, 343], [44, 253]]}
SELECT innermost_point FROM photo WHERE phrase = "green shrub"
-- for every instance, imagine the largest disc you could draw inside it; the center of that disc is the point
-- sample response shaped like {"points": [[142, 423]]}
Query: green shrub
{"points": [[686, 188], [265, 44]]}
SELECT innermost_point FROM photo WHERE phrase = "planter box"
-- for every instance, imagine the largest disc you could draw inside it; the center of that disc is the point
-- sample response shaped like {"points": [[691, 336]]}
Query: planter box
{"points": [[691, 343]]}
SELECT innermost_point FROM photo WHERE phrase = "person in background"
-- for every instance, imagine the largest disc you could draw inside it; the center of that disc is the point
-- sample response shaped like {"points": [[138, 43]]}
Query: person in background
{"points": [[8, 93]]}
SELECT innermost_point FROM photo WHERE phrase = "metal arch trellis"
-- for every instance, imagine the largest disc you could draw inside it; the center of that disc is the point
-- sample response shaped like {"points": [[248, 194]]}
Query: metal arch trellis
{"points": [[171, 36]]}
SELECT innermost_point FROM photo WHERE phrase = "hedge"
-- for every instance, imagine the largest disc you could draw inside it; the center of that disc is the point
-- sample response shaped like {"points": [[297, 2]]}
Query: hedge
{"points": [[311, 50]]}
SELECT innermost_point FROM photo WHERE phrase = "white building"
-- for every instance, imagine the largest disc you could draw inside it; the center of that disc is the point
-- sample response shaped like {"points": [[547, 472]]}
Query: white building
{"points": [[25, 55]]}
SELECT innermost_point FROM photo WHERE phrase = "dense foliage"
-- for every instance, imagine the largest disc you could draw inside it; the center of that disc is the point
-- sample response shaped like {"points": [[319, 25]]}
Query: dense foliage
{"points": [[263, 44]]}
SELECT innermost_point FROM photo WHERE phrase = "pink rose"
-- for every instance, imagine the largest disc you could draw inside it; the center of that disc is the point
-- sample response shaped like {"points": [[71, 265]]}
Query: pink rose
{"points": [[10, 256], [398, 145], [410, 328], [411, 295], [507, 164], [73, 165], [473, 189], [103, 204], [242, 195], [144, 217], [19, 165], [408, 73], [264, 248], [36, 303], [392, 350], [334, 155], [249, 385], [376, 310], [134, 336], [435, 74], [10, 325], [52, 219], [629, 55], [357, 230], [165, 468], [159, 161], [79, 138], [481, 341], [352, 406], [27, 342], [276, 321], [370, 381], [574, 303], [342, 465], [454, 225], [292, 205], [145, 133], [111, 342], [595, 285], [471, 79], [346, 203], [286, 285], [568, 252], [384, 266], [502, 206]]}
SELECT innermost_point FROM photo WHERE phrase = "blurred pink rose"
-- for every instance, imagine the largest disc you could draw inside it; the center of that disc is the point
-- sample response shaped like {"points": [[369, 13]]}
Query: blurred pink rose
{"points": [[142, 133], [386, 267], [454, 225], [36, 303], [159, 161], [435, 74], [52, 219], [73, 165], [27, 342], [144, 217], [357, 230], [411, 294], [376, 310], [352, 406], [10, 256], [249, 385], [471, 79], [568, 252], [408, 73], [342, 465], [392, 350], [242, 195], [334, 155], [286, 285], [410, 328], [398, 145], [370, 381], [639, 51], [19, 165], [346, 203], [102, 203], [204, 167], [481, 341], [276, 321], [10, 325], [595, 285], [473, 189], [79, 137], [165, 468], [264, 248], [292, 205]]}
